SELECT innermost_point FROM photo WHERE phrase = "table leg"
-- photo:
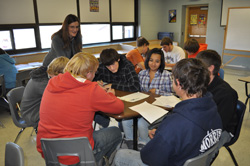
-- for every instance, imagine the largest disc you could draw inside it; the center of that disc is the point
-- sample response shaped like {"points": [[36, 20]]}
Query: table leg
{"points": [[248, 95], [135, 133]]}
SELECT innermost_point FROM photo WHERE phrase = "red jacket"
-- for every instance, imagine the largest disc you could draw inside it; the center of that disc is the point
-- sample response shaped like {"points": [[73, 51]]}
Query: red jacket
{"points": [[68, 108], [203, 47]]}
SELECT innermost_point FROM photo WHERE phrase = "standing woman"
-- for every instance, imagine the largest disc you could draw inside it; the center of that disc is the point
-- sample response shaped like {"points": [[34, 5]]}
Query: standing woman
{"points": [[67, 41]]}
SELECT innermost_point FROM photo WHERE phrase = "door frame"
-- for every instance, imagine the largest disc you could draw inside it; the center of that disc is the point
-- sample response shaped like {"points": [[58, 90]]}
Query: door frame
{"points": [[185, 22]]}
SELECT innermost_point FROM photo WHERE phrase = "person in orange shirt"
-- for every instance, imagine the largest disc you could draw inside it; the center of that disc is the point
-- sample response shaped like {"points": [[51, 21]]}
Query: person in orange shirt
{"points": [[192, 47], [135, 55]]}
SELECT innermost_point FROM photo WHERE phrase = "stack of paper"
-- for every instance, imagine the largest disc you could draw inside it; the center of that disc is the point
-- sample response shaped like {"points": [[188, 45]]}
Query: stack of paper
{"points": [[150, 112], [166, 101], [134, 97]]}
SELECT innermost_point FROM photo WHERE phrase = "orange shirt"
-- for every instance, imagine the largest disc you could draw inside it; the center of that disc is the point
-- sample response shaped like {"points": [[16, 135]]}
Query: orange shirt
{"points": [[203, 47], [135, 57]]}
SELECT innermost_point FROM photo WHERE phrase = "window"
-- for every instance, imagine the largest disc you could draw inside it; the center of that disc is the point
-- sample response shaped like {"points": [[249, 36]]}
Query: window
{"points": [[5, 40], [122, 32], [31, 30], [117, 32], [24, 38], [95, 33], [129, 31], [46, 32]]}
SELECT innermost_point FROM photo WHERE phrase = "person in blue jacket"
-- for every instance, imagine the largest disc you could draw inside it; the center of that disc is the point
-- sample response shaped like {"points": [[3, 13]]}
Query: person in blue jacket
{"points": [[8, 69], [192, 128]]}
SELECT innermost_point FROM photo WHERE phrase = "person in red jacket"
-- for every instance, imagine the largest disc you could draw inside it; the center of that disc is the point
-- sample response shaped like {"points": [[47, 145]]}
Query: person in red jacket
{"points": [[192, 47], [68, 106]]}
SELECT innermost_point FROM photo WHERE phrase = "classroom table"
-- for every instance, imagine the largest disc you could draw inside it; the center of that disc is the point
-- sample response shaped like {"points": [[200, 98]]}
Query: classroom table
{"points": [[130, 114], [28, 66], [246, 80]]}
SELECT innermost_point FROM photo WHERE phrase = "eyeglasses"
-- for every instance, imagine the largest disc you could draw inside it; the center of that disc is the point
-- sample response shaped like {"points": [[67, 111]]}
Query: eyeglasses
{"points": [[74, 27]]}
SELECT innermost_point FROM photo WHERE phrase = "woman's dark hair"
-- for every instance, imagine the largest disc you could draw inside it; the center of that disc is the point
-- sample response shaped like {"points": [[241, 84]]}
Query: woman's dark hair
{"points": [[193, 76], [64, 33], [109, 56], [155, 51]]}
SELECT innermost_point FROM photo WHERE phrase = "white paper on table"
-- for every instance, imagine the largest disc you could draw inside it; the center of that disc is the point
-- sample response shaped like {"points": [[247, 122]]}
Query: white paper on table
{"points": [[150, 112], [134, 97], [36, 64], [166, 101]]}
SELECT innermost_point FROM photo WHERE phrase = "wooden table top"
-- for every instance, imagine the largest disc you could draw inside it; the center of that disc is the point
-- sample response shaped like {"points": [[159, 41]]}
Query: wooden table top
{"points": [[128, 113], [245, 79]]}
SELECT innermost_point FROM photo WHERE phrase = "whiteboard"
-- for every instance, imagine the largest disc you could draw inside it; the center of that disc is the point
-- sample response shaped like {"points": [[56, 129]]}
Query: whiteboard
{"points": [[231, 3], [238, 29]]}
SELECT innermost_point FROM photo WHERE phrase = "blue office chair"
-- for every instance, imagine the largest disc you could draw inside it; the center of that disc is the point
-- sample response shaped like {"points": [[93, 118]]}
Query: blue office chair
{"points": [[221, 73], [241, 108]]}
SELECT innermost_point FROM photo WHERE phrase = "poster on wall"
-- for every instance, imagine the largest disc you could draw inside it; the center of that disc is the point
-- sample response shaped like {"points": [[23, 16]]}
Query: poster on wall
{"points": [[193, 19], [172, 16], [202, 19], [94, 5]]}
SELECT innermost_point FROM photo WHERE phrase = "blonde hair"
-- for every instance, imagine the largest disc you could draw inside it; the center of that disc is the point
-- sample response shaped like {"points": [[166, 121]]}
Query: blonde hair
{"points": [[81, 64], [57, 65]]}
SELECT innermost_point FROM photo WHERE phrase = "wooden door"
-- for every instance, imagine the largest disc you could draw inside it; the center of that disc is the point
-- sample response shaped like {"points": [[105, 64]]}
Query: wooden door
{"points": [[197, 23]]}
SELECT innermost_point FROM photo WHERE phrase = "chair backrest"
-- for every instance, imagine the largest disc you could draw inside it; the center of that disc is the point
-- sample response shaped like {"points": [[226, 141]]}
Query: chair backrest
{"points": [[23, 77], [14, 97], [2, 86], [13, 155], [221, 73], [55, 147], [204, 159], [240, 109]]}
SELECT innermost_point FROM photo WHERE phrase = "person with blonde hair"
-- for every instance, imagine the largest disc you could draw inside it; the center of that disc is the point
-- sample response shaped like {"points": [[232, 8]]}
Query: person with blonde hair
{"points": [[69, 104], [33, 91]]}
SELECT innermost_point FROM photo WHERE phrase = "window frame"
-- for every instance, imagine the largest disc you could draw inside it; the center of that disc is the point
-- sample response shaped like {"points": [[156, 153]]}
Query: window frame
{"points": [[35, 26]]}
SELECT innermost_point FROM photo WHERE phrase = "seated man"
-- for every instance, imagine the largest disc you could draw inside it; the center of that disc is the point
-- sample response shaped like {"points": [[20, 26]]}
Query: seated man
{"points": [[192, 47], [117, 72], [68, 106], [192, 128], [33, 91], [223, 94], [135, 55], [172, 53]]}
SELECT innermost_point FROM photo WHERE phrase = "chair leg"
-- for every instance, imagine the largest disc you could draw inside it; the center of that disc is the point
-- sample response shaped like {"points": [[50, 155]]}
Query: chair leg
{"points": [[18, 135], [5, 100], [232, 155], [2, 125], [32, 132]]}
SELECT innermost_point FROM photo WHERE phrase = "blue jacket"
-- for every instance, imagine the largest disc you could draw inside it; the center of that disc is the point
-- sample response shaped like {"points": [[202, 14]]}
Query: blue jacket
{"points": [[8, 68], [192, 128]]}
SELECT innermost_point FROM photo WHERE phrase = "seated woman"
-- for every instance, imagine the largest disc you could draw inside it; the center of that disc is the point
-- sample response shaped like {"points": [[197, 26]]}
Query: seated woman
{"points": [[33, 91], [68, 106], [154, 80]]}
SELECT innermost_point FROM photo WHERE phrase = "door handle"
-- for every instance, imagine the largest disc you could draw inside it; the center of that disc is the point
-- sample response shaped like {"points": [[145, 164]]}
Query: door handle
{"points": [[197, 36]]}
